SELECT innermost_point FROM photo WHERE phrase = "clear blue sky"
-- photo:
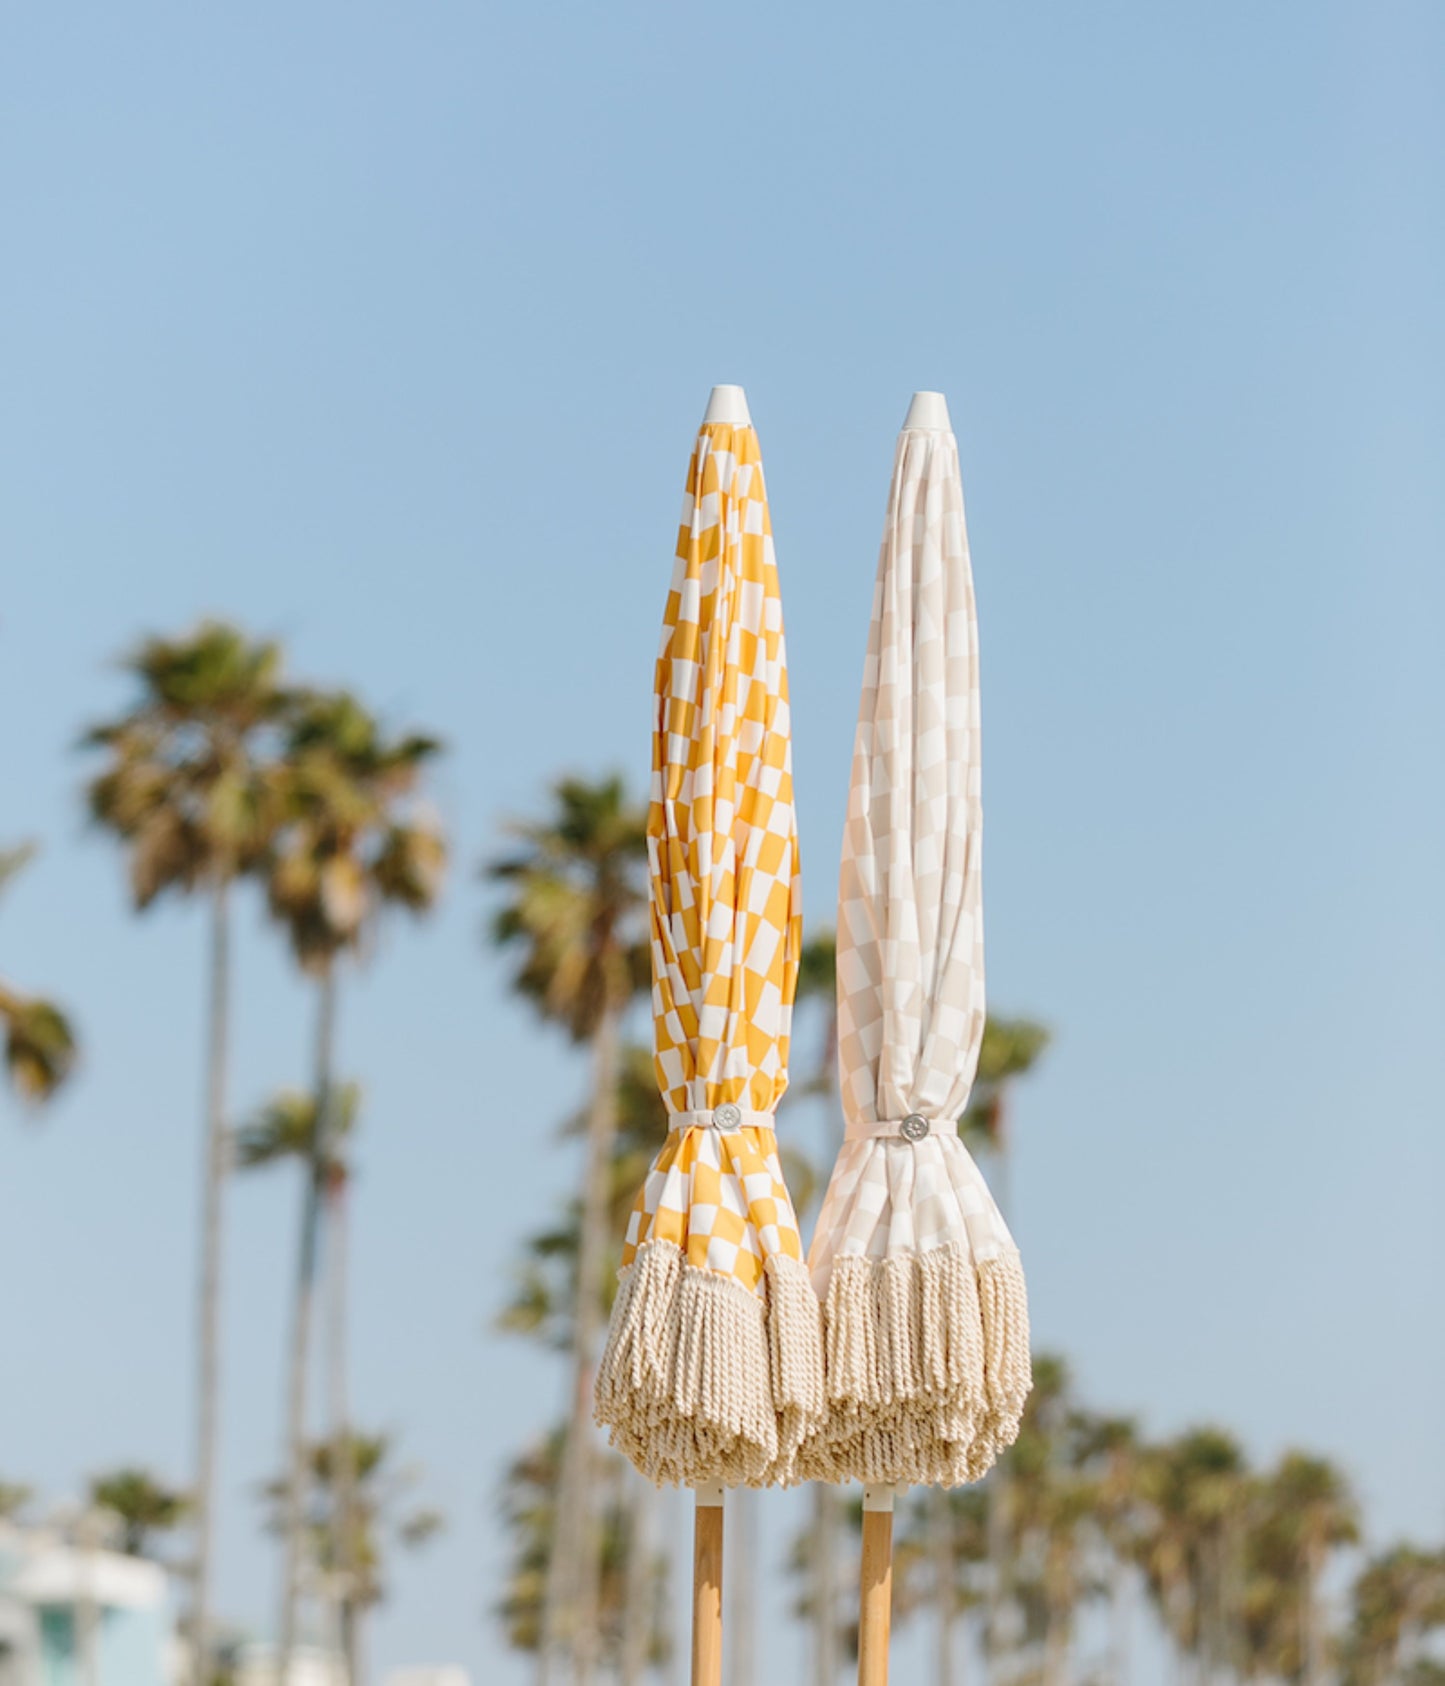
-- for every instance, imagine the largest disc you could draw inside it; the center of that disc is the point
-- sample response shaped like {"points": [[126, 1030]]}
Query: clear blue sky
{"points": [[385, 329]]}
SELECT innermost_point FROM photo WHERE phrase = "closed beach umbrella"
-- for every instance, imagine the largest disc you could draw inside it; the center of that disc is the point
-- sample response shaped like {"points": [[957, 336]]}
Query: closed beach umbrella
{"points": [[712, 1372], [925, 1311]]}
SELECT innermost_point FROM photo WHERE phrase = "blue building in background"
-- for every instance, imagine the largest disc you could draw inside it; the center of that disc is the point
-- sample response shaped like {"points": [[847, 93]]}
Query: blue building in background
{"points": [[76, 1616]]}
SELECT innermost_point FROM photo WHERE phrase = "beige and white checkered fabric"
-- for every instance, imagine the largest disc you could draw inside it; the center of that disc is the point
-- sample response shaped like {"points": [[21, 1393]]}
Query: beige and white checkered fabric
{"points": [[910, 922], [723, 855]]}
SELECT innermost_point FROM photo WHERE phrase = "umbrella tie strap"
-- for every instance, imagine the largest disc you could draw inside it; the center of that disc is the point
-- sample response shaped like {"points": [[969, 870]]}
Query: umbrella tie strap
{"points": [[728, 1116], [916, 1127]]}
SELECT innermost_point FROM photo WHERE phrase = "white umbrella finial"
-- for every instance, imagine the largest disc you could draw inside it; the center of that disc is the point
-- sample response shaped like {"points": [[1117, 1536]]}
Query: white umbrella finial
{"points": [[929, 410], [728, 404]]}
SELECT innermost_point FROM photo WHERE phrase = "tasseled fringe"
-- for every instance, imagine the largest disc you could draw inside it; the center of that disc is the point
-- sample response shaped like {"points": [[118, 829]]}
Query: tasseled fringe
{"points": [[702, 1380], [927, 1368]]}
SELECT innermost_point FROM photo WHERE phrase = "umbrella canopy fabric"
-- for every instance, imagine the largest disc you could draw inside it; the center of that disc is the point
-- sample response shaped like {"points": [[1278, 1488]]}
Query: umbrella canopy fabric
{"points": [[712, 1370], [925, 1309]]}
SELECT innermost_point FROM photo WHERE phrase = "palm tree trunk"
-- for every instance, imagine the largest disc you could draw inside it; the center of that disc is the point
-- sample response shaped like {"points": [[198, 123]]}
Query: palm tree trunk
{"points": [[996, 1527], [343, 1447], [569, 1617], [940, 1551], [741, 1578], [1203, 1649], [996, 1536], [1312, 1647], [1178, 1623], [1056, 1644], [208, 1346], [294, 1500], [676, 1587], [639, 1601], [827, 1510], [1118, 1622], [824, 1600]]}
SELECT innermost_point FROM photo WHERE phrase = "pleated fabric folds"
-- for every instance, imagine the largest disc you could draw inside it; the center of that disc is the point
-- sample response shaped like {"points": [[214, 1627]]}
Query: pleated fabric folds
{"points": [[713, 1367], [925, 1309]]}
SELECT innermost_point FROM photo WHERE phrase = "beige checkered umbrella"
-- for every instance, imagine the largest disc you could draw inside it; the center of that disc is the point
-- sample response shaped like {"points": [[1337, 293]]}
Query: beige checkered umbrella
{"points": [[713, 1367], [925, 1311]]}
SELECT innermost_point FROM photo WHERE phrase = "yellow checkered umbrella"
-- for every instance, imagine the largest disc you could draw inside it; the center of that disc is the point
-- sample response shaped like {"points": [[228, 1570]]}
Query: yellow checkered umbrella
{"points": [[925, 1308], [712, 1371]]}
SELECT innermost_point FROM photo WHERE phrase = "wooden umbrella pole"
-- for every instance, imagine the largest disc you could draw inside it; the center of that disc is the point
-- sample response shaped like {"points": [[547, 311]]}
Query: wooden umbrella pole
{"points": [[875, 1604], [707, 1574]]}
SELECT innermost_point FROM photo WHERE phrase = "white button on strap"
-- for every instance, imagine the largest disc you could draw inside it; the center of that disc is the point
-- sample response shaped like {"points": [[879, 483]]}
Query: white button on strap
{"points": [[726, 1116], [916, 1127]]}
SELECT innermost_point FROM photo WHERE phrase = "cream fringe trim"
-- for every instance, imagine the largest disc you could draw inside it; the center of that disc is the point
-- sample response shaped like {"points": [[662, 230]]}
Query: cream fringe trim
{"points": [[927, 1368], [702, 1380]]}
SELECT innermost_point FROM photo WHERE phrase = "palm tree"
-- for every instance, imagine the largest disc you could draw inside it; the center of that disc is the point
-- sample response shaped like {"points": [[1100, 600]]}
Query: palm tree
{"points": [[39, 1042], [1067, 1503], [1010, 1049], [188, 788], [1199, 1494], [14, 1497], [941, 1548], [143, 1505], [1043, 1507], [1303, 1510], [631, 1576], [543, 1301], [1323, 1517], [285, 1130], [379, 1514], [1397, 1601], [351, 842], [542, 1307], [818, 987], [575, 917], [1107, 1450]]}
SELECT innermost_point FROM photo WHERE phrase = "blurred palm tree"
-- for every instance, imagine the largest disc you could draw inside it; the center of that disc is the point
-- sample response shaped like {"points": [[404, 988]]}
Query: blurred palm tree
{"points": [[575, 916], [1397, 1602], [1042, 1504], [1107, 1450], [1233, 1560], [1064, 1506], [543, 1300], [818, 984], [1198, 1495], [144, 1506], [14, 1497], [285, 1131], [379, 1515], [352, 841], [1009, 1051], [39, 1042], [939, 1561], [1304, 1510], [818, 990], [542, 1306], [631, 1582], [189, 788]]}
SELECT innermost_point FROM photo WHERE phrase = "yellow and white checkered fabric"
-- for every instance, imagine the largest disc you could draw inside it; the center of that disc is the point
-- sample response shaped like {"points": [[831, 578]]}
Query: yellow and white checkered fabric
{"points": [[723, 857]]}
